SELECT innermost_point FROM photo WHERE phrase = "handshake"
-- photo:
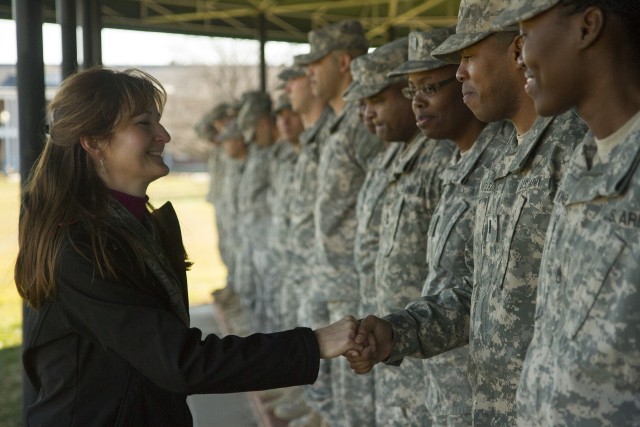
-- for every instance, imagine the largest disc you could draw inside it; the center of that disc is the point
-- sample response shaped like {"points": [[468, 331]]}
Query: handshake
{"points": [[363, 342]]}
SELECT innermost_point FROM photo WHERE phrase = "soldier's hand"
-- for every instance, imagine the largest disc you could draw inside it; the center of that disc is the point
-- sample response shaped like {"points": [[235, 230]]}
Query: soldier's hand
{"points": [[375, 335]]}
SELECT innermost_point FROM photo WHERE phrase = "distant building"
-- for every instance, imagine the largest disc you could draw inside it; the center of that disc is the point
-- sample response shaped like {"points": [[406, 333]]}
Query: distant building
{"points": [[192, 89], [9, 142]]}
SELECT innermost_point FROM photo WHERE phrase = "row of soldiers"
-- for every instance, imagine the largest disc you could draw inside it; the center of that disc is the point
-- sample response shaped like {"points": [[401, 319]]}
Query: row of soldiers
{"points": [[374, 186]]}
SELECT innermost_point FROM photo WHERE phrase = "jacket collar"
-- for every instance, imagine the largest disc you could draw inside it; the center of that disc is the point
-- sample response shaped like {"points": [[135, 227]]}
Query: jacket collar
{"points": [[583, 183]]}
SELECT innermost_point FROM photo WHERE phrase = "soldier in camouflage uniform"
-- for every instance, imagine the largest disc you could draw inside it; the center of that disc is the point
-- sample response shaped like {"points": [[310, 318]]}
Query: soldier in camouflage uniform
{"points": [[409, 225], [344, 160], [513, 209], [315, 115], [209, 128], [285, 155], [258, 130], [371, 86], [583, 364], [235, 155]]}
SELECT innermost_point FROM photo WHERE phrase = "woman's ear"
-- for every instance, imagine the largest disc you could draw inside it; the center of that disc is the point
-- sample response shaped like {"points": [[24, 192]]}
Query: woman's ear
{"points": [[91, 146]]}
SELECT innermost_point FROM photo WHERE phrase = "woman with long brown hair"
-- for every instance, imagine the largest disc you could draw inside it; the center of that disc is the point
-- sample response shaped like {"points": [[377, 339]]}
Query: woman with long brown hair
{"points": [[108, 340]]}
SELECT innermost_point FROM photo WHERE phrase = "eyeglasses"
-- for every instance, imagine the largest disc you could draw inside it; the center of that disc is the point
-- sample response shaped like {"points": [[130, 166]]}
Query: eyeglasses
{"points": [[425, 90]]}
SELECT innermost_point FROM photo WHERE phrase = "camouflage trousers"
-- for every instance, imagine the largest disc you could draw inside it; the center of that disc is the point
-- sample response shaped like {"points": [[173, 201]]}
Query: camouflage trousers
{"points": [[314, 314], [251, 270], [400, 395], [351, 393]]}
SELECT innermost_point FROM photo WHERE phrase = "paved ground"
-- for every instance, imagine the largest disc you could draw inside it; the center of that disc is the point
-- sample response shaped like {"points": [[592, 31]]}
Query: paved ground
{"points": [[219, 410]]}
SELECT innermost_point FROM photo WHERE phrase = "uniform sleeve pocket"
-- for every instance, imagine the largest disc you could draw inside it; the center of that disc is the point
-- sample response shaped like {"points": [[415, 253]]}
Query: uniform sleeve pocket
{"points": [[588, 271]]}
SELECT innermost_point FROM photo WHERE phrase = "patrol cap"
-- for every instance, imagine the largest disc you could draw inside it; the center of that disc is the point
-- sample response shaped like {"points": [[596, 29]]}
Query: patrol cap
{"points": [[370, 71], [421, 44], [282, 103], [341, 35], [230, 131], [291, 73], [221, 110], [356, 67], [475, 19], [256, 104], [521, 10]]}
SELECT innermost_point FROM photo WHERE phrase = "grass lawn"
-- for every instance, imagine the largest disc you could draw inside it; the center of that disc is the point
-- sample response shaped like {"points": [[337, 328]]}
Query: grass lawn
{"points": [[185, 191]]}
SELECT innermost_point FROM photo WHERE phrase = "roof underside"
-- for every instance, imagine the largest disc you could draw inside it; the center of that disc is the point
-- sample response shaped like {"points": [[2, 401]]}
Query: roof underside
{"points": [[286, 20]]}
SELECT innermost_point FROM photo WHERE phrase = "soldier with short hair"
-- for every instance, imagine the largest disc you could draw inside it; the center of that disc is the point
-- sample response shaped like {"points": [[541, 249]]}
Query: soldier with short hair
{"points": [[285, 156], [583, 363], [373, 89], [494, 314], [315, 116], [344, 160], [209, 128]]}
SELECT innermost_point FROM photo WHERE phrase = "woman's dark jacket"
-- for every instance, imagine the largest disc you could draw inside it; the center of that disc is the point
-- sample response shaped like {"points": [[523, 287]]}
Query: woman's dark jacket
{"points": [[113, 353]]}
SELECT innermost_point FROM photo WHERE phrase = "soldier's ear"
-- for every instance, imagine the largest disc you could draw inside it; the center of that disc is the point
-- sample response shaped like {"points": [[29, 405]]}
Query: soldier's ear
{"points": [[344, 62], [518, 45], [591, 24]]}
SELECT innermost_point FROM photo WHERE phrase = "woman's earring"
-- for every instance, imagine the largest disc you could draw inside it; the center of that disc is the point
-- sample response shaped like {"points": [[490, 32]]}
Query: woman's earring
{"points": [[102, 170]]}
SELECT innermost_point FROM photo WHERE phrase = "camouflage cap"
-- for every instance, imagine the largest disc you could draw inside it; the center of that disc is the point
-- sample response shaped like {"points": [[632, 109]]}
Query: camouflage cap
{"points": [[421, 44], [370, 71], [342, 35], [230, 131], [256, 104], [521, 10], [475, 19], [291, 73], [282, 103]]}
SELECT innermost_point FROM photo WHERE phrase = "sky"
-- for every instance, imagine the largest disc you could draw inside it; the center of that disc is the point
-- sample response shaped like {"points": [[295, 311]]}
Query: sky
{"points": [[121, 47]]}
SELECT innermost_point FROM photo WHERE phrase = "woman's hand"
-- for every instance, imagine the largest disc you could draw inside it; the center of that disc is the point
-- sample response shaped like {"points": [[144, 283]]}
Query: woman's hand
{"points": [[338, 338]]}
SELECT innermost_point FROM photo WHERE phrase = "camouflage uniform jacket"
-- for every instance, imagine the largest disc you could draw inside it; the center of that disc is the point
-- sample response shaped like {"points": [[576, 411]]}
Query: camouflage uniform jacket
{"points": [[215, 168], [344, 161], [450, 262], [412, 197], [368, 214], [303, 196], [583, 365], [253, 207], [280, 196], [512, 214]]}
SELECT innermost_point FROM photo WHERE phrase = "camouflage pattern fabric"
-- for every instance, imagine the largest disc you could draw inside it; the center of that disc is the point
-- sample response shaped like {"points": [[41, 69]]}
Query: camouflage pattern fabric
{"points": [[215, 168], [495, 315], [299, 254], [413, 194], [301, 236], [583, 363], [369, 215], [344, 161], [514, 207], [475, 23], [227, 211], [522, 10], [254, 219], [450, 264], [279, 198], [343, 164], [347, 35]]}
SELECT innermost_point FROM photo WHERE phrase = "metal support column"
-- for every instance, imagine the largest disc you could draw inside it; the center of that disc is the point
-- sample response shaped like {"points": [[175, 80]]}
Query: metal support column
{"points": [[89, 14], [262, 38], [66, 17], [31, 106]]}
